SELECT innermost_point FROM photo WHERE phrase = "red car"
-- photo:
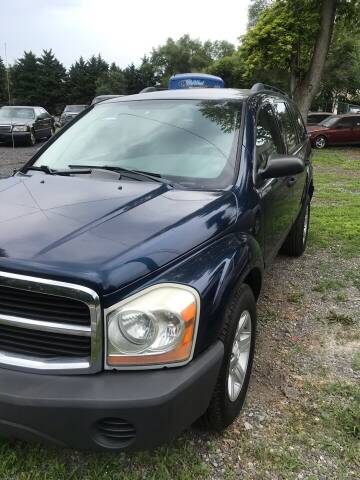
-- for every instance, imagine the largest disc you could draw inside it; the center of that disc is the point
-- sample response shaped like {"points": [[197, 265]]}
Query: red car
{"points": [[336, 130]]}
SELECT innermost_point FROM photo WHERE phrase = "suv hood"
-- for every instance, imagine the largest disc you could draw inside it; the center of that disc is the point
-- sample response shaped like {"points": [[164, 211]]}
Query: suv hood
{"points": [[87, 230]]}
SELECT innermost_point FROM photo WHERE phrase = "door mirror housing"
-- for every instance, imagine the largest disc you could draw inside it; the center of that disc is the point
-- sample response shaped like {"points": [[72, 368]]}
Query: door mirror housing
{"points": [[279, 165]]}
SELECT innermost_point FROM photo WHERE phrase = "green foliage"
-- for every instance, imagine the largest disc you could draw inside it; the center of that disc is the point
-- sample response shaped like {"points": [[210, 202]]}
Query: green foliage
{"points": [[3, 87], [25, 76], [111, 82], [187, 55], [341, 79], [52, 82], [231, 70], [77, 83], [281, 42], [256, 7]]}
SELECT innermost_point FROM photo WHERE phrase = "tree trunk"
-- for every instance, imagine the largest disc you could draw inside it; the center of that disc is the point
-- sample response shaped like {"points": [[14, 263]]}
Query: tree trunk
{"points": [[307, 88]]}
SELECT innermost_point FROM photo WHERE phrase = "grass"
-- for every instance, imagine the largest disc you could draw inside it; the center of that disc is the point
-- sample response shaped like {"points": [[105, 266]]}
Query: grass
{"points": [[356, 361], [316, 436], [335, 212], [340, 318]]}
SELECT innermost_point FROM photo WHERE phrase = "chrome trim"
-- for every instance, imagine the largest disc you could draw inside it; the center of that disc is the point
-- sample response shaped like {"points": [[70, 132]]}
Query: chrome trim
{"points": [[65, 290], [52, 327], [108, 310]]}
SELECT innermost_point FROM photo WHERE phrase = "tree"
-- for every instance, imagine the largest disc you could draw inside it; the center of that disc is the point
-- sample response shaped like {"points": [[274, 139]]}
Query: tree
{"points": [[25, 76], [3, 84], [290, 42], [341, 79], [230, 69], [256, 7], [52, 81], [78, 83], [187, 55], [96, 67], [112, 82]]}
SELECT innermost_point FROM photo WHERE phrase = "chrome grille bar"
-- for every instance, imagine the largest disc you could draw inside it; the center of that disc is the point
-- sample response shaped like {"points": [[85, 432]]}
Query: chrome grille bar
{"points": [[59, 364]]}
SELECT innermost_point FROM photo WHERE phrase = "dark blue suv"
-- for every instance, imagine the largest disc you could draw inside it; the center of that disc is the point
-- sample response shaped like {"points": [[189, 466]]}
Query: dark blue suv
{"points": [[132, 251]]}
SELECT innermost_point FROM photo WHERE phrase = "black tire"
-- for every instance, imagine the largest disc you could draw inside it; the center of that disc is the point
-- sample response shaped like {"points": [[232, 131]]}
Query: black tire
{"points": [[295, 243], [320, 142], [222, 411], [32, 139]]}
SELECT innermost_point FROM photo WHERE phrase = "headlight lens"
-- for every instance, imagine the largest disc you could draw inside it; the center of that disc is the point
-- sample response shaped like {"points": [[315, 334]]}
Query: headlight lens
{"points": [[20, 128], [155, 327]]}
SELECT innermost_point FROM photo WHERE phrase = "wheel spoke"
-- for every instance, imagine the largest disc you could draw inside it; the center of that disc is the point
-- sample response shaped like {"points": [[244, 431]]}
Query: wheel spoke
{"points": [[238, 374], [239, 358], [245, 342]]}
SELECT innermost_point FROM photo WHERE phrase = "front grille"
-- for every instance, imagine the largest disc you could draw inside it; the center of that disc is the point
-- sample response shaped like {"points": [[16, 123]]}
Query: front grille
{"points": [[39, 306], [5, 128], [115, 431], [48, 325], [43, 344]]}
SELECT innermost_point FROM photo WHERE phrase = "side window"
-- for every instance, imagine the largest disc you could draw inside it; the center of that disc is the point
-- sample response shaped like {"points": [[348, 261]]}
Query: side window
{"points": [[346, 122], [268, 138], [287, 125]]}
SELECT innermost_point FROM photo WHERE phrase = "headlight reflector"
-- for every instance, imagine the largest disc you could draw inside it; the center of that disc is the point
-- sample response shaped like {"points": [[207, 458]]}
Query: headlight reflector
{"points": [[154, 327]]}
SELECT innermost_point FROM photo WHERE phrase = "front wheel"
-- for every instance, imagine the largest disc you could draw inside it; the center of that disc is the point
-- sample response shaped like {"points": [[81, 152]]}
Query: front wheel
{"points": [[320, 142], [238, 336]]}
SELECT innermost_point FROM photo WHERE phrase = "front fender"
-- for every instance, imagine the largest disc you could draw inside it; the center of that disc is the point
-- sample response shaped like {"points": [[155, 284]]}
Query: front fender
{"points": [[213, 272]]}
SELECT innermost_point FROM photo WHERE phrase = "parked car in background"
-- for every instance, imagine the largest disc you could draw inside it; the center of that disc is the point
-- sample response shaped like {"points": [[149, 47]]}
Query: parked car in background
{"points": [[314, 118], [133, 258], [25, 124], [336, 130], [70, 112], [102, 98]]}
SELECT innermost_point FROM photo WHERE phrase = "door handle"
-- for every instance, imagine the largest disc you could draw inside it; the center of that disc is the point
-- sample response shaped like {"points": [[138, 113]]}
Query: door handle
{"points": [[291, 181]]}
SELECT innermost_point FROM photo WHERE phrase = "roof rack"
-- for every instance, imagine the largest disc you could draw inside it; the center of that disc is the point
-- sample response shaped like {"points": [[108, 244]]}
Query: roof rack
{"points": [[156, 88], [260, 87]]}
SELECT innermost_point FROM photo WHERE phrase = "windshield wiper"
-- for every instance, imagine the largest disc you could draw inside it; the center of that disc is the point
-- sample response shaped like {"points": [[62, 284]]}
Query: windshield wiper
{"points": [[155, 177], [51, 171]]}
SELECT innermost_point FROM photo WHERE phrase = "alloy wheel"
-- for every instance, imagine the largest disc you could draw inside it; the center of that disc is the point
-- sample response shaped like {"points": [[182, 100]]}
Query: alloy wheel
{"points": [[240, 354]]}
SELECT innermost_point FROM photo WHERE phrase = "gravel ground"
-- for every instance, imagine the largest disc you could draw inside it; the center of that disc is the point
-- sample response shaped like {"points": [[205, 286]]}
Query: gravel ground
{"points": [[11, 159]]}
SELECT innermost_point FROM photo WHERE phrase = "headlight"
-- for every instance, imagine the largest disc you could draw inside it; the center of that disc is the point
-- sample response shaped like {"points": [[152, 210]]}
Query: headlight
{"points": [[20, 128], [155, 327]]}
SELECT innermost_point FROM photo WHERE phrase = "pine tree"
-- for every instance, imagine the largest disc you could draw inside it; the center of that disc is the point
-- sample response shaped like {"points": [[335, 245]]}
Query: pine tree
{"points": [[25, 76], [52, 82], [78, 83], [3, 84], [112, 82]]}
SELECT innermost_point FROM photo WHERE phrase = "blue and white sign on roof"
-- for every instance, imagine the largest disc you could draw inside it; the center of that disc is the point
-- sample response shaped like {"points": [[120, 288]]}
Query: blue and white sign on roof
{"points": [[195, 80]]}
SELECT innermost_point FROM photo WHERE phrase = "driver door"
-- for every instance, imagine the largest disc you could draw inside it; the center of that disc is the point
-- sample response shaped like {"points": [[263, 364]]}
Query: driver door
{"points": [[275, 194]]}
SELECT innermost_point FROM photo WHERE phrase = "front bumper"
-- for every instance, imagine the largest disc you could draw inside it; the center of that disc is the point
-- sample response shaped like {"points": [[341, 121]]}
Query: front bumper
{"points": [[18, 137], [69, 410]]}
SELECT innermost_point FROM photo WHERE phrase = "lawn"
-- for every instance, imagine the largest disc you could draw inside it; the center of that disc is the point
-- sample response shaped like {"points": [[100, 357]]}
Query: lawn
{"points": [[302, 417]]}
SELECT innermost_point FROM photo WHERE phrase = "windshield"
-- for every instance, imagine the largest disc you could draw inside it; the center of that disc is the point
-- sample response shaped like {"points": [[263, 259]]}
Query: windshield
{"points": [[74, 108], [330, 121], [191, 142], [11, 112]]}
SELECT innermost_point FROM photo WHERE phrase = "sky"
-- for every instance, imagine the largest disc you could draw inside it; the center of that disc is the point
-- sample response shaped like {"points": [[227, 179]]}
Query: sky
{"points": [[121, 31]]}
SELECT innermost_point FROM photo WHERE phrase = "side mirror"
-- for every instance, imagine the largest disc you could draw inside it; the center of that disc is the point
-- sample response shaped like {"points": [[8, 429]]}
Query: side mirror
{"points": [[279, 165]]}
